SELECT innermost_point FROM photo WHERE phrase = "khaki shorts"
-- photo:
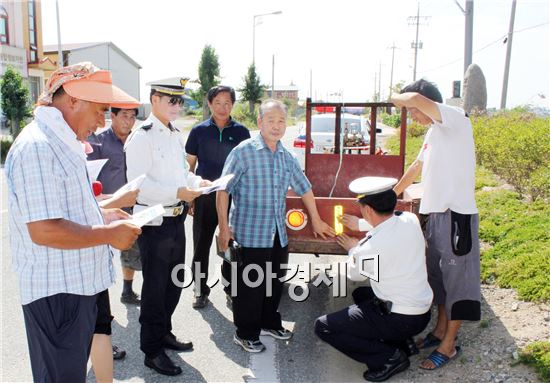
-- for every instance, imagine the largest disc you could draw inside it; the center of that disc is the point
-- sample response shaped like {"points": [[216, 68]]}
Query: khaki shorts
{"points": [[131, 259]]}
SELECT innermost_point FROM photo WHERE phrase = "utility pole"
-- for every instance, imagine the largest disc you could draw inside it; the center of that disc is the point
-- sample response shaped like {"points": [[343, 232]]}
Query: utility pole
{"points": [[310, 83], [273, 77], [508, 54], [59, 50], [393, 48], [379, 81], [468, 31], [374, 98], [416, 20]]}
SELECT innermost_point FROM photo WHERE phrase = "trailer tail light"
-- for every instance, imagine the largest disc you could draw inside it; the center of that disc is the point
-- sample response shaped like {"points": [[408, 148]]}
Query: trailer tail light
{"points": [[300, 142], [338, 213], [296, 219]]}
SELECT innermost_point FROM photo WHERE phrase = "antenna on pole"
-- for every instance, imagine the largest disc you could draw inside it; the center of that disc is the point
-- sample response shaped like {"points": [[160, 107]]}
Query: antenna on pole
{"points": [[416, 45]]}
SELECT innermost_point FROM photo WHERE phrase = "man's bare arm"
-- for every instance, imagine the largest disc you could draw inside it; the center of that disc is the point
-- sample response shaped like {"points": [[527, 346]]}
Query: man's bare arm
{"points": [[408, 178], [416, 100], [192, 161], [222, 206], [64, 234]]}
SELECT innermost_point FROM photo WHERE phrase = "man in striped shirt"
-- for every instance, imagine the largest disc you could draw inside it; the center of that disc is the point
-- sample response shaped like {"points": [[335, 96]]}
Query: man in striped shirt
{"points": [[263, 170], [60, 238]]}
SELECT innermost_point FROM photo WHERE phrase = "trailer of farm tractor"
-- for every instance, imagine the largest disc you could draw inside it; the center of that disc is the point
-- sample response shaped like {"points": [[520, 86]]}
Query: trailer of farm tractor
{"points": [[330, 174]]}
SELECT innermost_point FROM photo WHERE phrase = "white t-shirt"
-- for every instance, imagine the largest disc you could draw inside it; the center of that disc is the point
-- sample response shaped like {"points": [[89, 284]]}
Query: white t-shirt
{"points": [[402, 275], [448, 164]]}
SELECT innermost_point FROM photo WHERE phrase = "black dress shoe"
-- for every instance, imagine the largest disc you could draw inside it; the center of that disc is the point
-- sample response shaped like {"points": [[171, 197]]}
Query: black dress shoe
{"points": [[172, 343], [412, 348], [131, 299], [397, 363], [200, 302], [162, 364], [118, 353]]}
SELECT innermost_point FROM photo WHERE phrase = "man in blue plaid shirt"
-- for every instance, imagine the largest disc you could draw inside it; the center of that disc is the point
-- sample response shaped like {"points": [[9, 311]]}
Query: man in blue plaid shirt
{"points": [[263, 170]]}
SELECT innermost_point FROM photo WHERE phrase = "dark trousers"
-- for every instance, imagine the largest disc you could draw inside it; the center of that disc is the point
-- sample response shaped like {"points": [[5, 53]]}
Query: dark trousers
{"points": [[252, 308], [205, 221], [162, 248], [364, 334], [59, 332]]}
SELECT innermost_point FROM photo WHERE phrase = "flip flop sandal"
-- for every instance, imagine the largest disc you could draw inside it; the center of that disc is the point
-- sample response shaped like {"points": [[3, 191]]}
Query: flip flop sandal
{"points": [[429, 341], [439, 360]]}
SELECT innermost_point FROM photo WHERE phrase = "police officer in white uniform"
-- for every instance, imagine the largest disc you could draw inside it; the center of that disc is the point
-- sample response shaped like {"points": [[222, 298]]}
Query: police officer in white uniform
{"points": [[377, 329], [156, 149]]}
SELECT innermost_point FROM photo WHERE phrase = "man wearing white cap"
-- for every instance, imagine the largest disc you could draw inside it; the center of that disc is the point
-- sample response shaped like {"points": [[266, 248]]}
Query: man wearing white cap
{"points": [[157, 149], [377, 328], [60, 237], [447, 164]]}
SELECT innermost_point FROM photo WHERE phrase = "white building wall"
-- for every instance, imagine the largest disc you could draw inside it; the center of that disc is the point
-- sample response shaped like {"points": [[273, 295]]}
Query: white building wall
{"points": [[125, 74], [98, 55]]}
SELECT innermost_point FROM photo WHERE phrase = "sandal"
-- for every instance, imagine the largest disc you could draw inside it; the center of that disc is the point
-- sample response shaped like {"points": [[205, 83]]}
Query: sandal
{"points": [[429, 341], [439, 359]]}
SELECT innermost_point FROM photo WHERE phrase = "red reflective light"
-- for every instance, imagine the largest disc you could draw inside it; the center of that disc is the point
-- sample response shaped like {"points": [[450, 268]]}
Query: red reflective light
{"points": [[300, 143]]}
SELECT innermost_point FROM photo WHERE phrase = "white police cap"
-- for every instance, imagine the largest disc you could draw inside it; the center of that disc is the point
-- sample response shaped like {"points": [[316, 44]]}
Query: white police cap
{"points": [[174, 86], [371, 185]]}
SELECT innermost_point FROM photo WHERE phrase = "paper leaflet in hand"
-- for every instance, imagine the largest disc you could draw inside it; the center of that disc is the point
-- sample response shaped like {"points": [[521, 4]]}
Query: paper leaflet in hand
{"points": [[132, 185], [146, 215], [219, 184]]}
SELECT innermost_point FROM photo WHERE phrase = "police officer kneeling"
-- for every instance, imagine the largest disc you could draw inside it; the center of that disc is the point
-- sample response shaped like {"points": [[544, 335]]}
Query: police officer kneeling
{"points": [[377, 329]]}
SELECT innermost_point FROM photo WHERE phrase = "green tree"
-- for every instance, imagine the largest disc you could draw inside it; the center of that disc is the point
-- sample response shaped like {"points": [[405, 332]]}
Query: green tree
{"points": [[252, 90], [15, 99], [209, 73]]}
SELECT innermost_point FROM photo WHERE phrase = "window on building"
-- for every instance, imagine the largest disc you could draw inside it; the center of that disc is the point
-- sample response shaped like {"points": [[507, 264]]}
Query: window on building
{"points": [[33, 50], [35, 88], [4, 32]]}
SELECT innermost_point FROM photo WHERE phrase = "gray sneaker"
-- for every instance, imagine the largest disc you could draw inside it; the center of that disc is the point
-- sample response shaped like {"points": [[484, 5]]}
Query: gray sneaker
{"points": [[282, 333], [249, 345]]}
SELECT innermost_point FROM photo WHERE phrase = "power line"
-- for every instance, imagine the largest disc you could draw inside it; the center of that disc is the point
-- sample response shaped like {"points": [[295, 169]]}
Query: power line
{"points": [[487, 46]]}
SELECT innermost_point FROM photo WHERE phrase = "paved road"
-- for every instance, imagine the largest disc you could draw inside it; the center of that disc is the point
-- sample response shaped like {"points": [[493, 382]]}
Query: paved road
{"points": [[215, 358]]}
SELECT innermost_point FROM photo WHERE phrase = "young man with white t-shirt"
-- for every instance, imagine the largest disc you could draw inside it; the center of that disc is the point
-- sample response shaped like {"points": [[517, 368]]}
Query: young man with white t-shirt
{"points": [[447, 164]]}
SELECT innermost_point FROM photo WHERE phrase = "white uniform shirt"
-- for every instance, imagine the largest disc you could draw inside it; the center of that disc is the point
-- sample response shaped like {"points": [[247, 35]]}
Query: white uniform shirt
{"points": [[159, 153], [402, 276], [448, 164]]}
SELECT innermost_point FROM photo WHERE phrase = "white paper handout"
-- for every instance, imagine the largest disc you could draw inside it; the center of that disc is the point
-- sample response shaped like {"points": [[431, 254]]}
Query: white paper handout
{"points": [[132, 185], [94, 167], [146, 215], [219, 184]]}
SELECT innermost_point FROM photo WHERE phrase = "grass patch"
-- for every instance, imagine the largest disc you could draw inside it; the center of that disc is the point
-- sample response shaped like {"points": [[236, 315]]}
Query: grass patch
{"points": [[537, 354], [519, 234]]}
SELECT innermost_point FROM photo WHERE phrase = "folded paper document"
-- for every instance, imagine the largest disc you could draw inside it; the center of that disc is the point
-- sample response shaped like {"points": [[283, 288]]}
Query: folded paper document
{"points": [[219, 184], [146, 215]]}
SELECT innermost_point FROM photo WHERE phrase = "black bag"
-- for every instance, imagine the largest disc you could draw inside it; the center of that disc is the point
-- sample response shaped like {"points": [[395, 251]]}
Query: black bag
{"points": [[461, 233], [232, 254]]}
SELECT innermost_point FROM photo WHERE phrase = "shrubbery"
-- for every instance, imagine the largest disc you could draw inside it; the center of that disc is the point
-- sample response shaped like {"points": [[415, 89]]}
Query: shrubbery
{"points": [[516, 146], [5, 145], [241, 114], [393, 120], [537, 354], [519, 233]]}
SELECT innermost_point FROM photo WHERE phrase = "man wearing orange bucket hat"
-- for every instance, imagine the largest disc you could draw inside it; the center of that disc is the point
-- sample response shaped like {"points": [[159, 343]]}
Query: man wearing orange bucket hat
{"points": [[60, 241]]}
